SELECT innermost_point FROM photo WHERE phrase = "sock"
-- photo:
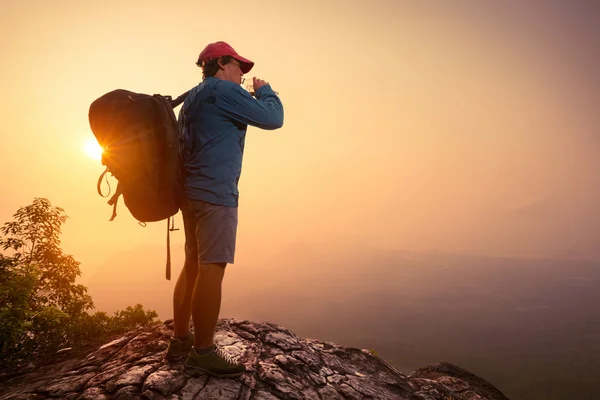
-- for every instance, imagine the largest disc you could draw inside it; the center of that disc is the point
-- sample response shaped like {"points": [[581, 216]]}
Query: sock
{"points": [[205, 351]]}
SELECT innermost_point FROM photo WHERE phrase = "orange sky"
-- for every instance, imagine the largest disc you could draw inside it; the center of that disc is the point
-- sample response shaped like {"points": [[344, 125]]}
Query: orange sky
{"points": [[466, 128]]}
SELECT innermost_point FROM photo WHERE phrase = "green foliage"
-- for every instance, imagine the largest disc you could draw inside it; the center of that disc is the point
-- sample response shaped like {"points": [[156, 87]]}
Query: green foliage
{"points": [[16, 288], [42, 309], [33, 238], [133, 318], [98, 326]]}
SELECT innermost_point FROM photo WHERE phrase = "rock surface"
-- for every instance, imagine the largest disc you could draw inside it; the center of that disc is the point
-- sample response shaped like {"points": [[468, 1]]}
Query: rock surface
{"points": [[279, 366]]}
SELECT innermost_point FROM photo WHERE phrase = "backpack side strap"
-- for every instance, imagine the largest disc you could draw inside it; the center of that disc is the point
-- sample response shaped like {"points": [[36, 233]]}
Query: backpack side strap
{"points": [[168, 271], [100, 183], [114, 200]]}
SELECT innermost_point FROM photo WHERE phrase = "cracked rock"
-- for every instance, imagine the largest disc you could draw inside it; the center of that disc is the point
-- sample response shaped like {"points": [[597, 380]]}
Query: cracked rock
{"points": [[279, 365]]}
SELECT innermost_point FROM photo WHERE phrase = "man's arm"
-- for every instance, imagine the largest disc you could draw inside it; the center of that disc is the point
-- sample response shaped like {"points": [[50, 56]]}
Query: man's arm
{"points": [[265, 111]]}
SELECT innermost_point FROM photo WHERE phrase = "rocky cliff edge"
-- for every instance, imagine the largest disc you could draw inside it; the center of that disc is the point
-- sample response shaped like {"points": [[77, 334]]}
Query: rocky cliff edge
{"points": [[279, 366]]}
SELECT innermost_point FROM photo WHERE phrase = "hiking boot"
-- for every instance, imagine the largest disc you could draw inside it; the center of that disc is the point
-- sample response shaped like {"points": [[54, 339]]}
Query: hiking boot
{"points": [[216, 363], [178, 349]]}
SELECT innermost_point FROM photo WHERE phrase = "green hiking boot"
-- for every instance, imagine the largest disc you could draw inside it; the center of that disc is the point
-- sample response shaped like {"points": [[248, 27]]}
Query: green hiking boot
{"points": [[178, 349], [216, 363]]}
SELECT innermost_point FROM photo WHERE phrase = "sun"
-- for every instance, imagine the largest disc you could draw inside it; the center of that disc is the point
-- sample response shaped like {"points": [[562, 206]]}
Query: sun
{"points": [[93, 149]]}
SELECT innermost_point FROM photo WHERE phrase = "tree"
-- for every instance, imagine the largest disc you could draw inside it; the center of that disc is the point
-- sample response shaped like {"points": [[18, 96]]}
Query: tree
{"points": [[34, 239], [17, 285], [42, 309], [39, 294]]}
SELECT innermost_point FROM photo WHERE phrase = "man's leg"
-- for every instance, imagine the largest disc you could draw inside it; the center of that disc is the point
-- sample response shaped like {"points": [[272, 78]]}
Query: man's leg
{"points": [[215, 233], [206, 357], [182, 342], [206, 303], [184, 288], [182, 299]]}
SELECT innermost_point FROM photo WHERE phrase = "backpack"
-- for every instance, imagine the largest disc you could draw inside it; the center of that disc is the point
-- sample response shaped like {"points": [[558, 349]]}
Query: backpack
{"points": [[140, 137]]}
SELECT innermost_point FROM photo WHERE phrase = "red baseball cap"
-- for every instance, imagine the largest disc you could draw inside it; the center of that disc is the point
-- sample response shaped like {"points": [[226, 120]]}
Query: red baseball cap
{"points": [[220, 49]]}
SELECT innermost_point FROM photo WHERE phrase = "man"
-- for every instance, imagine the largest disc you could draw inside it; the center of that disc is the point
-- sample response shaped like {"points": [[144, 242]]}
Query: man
{"points": [[213, 122]]}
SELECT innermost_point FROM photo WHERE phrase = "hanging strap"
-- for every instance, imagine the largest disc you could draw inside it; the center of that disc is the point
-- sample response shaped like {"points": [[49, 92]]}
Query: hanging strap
{"points": [[114, 200], [168, 273], [170, 228], [100, 183]]}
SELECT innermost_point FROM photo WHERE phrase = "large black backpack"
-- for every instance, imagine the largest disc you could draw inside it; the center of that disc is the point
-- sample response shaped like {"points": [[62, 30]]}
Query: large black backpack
{"points": [[140, 138]]}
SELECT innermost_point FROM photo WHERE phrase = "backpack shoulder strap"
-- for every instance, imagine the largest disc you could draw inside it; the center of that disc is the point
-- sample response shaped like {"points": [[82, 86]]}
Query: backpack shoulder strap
{"points": [[180, 99]]}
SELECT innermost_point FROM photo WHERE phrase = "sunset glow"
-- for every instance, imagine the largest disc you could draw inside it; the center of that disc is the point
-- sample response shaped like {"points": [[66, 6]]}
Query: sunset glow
{"points": [[468, 142], [93, 149]]}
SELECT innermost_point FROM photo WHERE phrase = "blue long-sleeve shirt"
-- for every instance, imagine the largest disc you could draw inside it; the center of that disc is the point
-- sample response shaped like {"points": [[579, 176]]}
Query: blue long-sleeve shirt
{"points": [[213, 122]]}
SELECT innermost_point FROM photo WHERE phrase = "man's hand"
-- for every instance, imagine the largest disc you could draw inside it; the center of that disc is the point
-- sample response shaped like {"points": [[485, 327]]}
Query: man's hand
{"points": [[258, 83]]}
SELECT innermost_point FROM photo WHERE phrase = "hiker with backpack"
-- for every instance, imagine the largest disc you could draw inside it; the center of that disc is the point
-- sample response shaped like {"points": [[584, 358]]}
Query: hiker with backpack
{"points": [[213, 122]]}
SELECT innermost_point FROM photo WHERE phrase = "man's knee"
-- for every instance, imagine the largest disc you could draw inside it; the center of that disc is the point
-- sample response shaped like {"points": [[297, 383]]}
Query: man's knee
{"points": [[218, 266], [211, 269], [190, 265]]}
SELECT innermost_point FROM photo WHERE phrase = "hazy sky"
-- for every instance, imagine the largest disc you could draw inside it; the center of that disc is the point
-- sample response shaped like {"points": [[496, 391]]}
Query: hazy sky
{"points": [[471, 127]]}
